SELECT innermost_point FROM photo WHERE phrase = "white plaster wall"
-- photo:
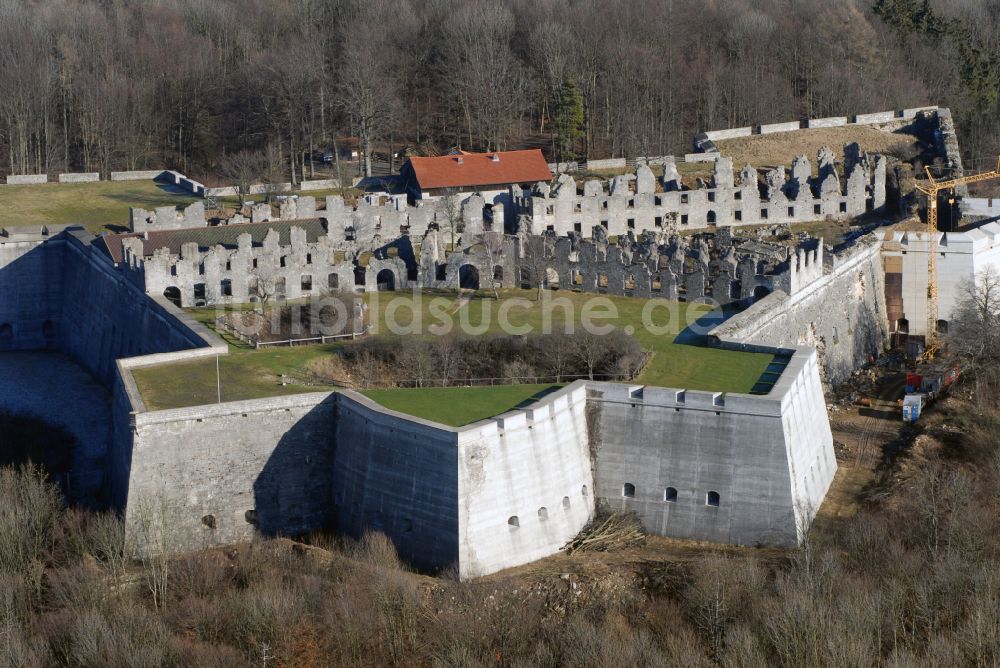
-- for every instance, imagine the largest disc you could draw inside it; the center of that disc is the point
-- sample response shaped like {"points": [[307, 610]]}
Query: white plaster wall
{"points": [[514, 466], [808, 439]]}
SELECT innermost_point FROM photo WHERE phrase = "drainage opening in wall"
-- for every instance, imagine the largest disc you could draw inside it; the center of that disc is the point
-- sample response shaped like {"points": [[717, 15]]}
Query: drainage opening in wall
{"points": [[209, 521], [513, 522], [712, 499]]}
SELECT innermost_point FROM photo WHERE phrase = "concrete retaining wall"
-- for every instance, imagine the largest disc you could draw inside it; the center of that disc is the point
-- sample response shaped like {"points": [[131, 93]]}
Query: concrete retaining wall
{"points": [[26, 179], [830, 122], [319, 184], [610, 163], [780, 127], [137, 176], [878, 117], [731, 133], [980, 206], [80, 177]]}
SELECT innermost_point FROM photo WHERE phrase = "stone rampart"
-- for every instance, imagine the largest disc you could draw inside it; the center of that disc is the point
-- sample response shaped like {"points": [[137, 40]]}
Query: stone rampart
{"points": [[26, 179], [80, 177], [842, 313], [728, 468], [609, 163], [771, 128], [143, 175]]}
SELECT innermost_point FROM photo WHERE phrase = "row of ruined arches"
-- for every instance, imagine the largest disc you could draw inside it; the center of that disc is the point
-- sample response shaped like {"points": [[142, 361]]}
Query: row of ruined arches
{"points": [[385, 280]]}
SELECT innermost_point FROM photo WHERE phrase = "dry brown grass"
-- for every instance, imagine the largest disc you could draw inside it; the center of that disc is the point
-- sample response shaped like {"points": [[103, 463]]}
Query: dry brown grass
{"points": [[782, 147]]}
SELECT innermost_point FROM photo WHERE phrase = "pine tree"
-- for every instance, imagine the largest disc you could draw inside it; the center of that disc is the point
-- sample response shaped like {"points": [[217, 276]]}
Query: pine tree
{"points": [[568, 118]]}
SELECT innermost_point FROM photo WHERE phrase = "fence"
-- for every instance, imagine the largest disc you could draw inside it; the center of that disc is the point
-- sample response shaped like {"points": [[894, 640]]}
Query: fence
{"points": [[256, 342]]}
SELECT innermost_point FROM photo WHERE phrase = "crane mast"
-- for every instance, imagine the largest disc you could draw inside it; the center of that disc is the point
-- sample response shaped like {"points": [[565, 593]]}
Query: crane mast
{"points": [[931, 189]]}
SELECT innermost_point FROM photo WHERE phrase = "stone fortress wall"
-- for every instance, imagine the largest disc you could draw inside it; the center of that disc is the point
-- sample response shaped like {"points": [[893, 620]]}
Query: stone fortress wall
{"points": [[748, 469], [489, 495]]}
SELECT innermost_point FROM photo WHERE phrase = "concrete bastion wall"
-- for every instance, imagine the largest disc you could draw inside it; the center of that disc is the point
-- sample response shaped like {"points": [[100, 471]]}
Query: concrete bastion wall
{"points": [[60, 292], [842, 313], [733, 468], [490, 495]]}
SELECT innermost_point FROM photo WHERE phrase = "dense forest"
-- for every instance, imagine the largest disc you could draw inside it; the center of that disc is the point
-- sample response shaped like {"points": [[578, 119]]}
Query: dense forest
{"points": [[102, 85]]}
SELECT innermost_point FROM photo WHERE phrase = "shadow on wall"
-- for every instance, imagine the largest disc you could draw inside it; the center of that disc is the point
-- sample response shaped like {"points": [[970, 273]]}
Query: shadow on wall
{"points": [[31, 296], [293, 493]]}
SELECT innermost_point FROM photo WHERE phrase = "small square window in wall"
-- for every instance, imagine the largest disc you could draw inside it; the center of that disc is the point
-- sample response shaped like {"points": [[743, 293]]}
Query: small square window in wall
{"points": [[631, 223], [670, 495], [684, 219], [684, 198], [738, 195], [817, 209], [738, 214], [763, 214], [711, 197], [712, 499], [791, 212], [628, 490]]}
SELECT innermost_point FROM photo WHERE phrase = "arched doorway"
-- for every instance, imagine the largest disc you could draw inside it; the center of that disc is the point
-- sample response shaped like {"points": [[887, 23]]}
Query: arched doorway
{"points": [[386, 280], [468, 277], [711, 218], [174, 295], [760, 292]]}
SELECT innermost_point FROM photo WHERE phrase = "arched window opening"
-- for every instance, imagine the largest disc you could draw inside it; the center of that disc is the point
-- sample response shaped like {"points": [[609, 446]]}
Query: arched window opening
{"points": [[386, 280], [173, 294], [513, 521], [209, 521], [628, 490], [543, 513], [712, 499], [670, 494], [566, 502], [468, 277]]}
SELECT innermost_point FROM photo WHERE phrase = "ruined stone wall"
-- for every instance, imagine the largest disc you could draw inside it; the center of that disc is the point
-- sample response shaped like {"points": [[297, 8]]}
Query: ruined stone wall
{"points": [[726, 202], [842, 313]]}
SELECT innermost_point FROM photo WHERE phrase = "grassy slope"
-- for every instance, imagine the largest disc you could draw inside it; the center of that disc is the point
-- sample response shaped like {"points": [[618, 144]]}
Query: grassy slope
{"points": [[97, 206], [248, 374], [456, 406]]}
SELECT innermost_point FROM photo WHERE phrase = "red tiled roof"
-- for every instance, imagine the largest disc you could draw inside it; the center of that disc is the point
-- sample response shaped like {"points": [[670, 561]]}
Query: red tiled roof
{"points": [[480, 169]]}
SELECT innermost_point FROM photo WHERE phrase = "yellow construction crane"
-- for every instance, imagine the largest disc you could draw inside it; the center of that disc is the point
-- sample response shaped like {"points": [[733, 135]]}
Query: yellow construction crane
{"points": [[931, 189]]}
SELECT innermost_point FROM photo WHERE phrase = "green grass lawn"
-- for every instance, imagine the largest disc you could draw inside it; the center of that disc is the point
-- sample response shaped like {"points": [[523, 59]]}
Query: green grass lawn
{"points": [[96, 206], [248, 373], [673, 364], [456, 406]]}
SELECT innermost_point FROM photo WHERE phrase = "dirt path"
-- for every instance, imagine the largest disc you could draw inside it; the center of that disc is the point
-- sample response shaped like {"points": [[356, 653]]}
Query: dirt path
{"points": [[860, 432]]}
